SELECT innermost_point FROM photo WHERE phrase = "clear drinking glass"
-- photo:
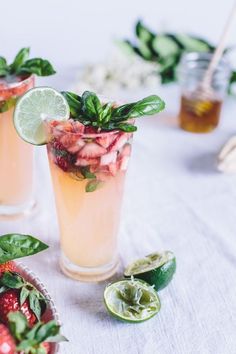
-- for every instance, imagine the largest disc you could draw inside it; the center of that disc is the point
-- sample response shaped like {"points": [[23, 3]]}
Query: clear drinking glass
{"points": [[16, 156], [88, 173], [200, 115]]}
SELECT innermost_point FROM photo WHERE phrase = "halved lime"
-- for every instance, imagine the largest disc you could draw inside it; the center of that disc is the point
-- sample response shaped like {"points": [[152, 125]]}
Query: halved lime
{"points": [[36, 106], [156, 269], [131, 300]]}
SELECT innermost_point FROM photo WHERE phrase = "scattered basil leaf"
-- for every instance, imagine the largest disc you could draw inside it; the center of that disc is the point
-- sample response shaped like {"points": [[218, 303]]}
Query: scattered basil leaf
{"points": [[13, 246], [19, 60]]}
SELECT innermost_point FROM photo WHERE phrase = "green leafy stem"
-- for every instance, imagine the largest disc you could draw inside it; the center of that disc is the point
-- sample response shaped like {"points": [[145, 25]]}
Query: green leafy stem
{"points": [[89, 110], [22, 65], [167, 49]]}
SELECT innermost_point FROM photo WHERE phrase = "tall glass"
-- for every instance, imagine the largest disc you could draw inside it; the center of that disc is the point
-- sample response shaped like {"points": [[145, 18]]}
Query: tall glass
{"points": [[16, 156], [88, 173]]}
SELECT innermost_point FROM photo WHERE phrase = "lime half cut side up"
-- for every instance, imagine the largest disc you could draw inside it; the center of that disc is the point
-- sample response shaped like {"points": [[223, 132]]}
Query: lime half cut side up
{"points": [[131, 300], [36, 106], [156, 269]]}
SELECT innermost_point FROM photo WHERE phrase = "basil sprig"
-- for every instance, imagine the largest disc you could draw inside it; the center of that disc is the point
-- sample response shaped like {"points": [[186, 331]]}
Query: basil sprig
{"points": [[89, 110], [13, 246], [166, 49], [22, 65]]}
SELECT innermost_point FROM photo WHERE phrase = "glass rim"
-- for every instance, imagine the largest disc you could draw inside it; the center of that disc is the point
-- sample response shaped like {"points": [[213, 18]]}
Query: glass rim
{"points": [[87, 135], [12, 85]]}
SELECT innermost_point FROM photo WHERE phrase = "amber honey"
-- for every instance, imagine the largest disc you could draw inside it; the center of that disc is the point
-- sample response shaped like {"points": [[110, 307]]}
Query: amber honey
{"points": [[199, 116]]}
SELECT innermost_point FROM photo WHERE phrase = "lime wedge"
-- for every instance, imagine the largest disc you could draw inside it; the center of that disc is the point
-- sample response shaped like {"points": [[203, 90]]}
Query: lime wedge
{"points": [[131, 300], [36, 106], [156, 269]]}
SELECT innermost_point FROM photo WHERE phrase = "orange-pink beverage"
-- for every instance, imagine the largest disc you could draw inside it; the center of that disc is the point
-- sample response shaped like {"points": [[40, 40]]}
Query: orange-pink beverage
{"points": [[88, 171], [16, 156]]}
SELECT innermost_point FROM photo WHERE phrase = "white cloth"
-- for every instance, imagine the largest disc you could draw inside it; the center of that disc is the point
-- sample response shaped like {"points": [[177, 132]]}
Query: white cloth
{"points": [[174, 199]]}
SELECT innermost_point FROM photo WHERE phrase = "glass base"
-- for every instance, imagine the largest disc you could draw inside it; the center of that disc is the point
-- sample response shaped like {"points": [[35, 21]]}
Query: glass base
{"points": [[88, 274], [17, 211]]}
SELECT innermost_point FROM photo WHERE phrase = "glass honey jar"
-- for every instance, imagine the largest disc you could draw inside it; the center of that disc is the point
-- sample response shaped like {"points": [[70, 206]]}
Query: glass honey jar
{"points": [[201, 114]]}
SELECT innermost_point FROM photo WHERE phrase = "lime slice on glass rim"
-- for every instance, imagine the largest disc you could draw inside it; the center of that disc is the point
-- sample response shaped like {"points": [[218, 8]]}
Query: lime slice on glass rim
{"points": [[36, 106], [131, 300], [156, 269]]}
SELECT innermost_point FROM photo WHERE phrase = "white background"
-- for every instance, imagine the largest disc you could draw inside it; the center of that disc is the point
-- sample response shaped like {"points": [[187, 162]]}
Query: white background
{"points": [[71, 32]]}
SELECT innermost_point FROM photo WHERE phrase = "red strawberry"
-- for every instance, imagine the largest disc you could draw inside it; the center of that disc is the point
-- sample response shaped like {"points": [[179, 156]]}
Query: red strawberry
{"points": [[46, 347], [58, 145], [62, 163], [113, 168], [72, 142], [106, 159], [86, 162], [119, 142], [126, 151], [106, 140], [10, 302], [7, 267], [91, 150], [7, 344]]}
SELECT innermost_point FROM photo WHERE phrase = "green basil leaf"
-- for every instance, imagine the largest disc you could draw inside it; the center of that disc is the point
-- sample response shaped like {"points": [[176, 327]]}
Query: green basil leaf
{"points": [[74, 102], [23, 295], [91, 105], [8, 104], [19, 60], [106, 112], [12, 280], [143, 33], [4, 68], [35, 304], [86, 173], [128, 128], [165, 46], [37, 66], [147, 106], [92, 185], [13, 246], [193, 44], [49, 329], [18, 324]]}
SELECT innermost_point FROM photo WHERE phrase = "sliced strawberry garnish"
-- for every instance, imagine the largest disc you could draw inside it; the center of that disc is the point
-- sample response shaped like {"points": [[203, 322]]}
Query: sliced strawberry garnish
{"points": [[72, 142], [106, 140], [119, 142], [126, 151], [113, 168], [91, 150], [86, 162], [106, 159], [123, 163]]}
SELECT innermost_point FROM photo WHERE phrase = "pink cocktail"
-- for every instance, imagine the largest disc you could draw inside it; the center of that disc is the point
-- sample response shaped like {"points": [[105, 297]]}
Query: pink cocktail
{"points": [[88, 172], [16, 156]]}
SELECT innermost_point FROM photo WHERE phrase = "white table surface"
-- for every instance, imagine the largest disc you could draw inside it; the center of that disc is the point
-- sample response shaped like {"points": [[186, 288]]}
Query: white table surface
{"points": [[174, 199]]}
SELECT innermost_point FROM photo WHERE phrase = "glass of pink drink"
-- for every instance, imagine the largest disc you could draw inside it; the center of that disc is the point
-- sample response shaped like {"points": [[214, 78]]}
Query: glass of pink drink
{"points": [[16, 156], [88, 172]]}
